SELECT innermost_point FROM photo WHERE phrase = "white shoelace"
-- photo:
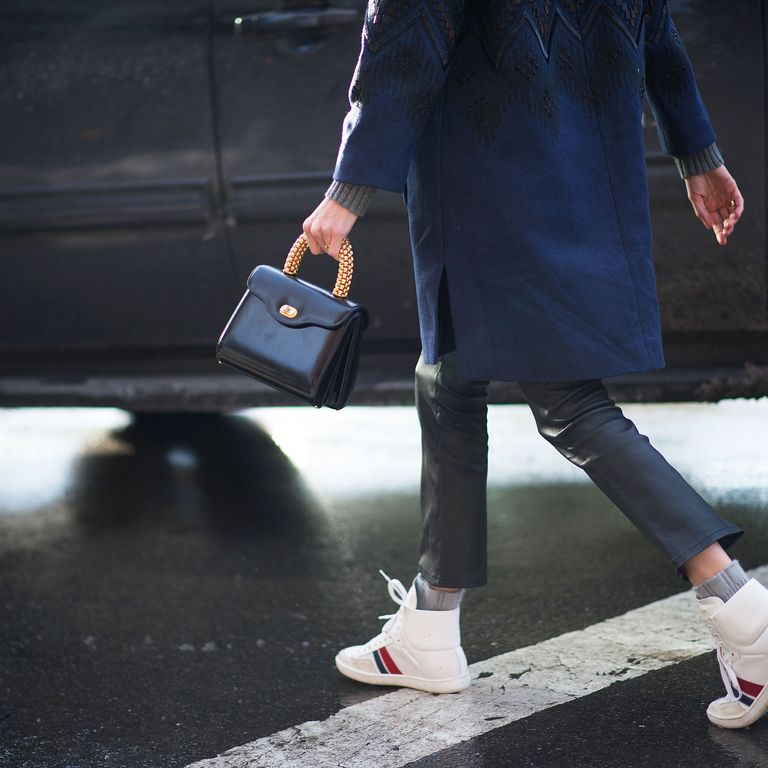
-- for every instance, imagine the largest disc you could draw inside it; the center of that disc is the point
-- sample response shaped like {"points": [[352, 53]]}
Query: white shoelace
{"points": [[729, 676], [400, 595]]}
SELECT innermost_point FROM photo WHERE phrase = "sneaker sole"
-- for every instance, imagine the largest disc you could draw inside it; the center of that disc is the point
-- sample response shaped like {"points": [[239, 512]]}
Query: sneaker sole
{"points": [[753, 714], [446, 685]]}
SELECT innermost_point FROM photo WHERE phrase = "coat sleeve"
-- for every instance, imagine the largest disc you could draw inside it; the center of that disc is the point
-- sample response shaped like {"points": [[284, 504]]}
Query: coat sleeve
{"points": [[405, 49], [682, 121]]}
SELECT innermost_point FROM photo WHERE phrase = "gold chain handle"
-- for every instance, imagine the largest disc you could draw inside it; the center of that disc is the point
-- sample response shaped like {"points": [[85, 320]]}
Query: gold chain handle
{"points": [[346, 264]]}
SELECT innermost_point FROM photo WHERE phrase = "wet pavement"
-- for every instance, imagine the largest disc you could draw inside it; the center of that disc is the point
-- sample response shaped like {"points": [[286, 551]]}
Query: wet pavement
{"points": [[173, 586]]}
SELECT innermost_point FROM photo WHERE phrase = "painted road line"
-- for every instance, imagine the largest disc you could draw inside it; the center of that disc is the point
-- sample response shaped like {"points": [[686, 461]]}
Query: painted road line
{"points": [[399, 727]]}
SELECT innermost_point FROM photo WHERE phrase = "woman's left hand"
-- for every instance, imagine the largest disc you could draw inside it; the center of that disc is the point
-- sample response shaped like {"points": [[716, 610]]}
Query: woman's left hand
{"points": [[710, 195]]}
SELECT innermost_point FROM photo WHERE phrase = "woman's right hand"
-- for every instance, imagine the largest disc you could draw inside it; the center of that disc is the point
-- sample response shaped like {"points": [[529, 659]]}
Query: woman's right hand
{"points": [[710, 195], [327, 226]]}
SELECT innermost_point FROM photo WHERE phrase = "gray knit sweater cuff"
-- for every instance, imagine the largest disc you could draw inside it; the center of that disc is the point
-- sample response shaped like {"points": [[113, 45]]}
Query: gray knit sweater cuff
{"points": [[355, 197], [704, 160]]}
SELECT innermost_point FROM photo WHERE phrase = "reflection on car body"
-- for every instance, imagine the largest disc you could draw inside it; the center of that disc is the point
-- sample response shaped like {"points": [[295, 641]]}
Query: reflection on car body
{"points": [[154, 151]]}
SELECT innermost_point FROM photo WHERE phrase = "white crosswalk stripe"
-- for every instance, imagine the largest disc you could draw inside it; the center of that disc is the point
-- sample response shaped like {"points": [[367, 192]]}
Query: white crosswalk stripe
{"points": [[399, 727]]}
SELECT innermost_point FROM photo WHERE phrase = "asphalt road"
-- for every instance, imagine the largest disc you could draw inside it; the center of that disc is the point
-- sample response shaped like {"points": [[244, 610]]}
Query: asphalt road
{"points": [[175, 586]]}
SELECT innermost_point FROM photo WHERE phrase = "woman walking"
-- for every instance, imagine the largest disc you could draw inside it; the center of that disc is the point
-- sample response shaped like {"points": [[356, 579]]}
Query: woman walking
{"points": [[513, 130]]}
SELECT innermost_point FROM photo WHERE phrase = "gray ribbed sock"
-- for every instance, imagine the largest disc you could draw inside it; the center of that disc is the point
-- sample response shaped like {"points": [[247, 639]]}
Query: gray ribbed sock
{"points": [[430, 599], [724, 584]]}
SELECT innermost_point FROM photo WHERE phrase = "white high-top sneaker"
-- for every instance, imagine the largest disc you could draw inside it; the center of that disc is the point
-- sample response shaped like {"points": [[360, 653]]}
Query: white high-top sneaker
{"points": [[739, 628], [416, 648]]}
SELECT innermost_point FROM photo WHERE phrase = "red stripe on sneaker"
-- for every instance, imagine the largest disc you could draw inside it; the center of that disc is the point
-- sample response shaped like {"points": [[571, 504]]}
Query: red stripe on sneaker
{"points": [[751, 689], [391, 666]]}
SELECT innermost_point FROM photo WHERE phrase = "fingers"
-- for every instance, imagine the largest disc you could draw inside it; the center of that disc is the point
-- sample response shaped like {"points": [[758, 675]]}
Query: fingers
{"points": [[738, 209], [313, 236], [720, 235], [721, 220], [700, 209], [729, 222], [327, 226], [331, 245], [327, 242], [321, 238], [724, 225], [731, 214]]}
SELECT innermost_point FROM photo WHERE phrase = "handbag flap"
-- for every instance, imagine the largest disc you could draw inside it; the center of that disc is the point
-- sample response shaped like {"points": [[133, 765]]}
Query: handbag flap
{"points": [[314, 305]]}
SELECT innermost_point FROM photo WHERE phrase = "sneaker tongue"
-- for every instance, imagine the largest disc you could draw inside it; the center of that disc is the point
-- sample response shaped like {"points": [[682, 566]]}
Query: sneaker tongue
{"points": [[412, 597], [709, 606]]}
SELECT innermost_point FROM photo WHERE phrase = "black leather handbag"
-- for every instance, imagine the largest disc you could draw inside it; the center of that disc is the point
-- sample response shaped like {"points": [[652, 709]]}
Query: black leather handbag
{"points": [[296, 336]]}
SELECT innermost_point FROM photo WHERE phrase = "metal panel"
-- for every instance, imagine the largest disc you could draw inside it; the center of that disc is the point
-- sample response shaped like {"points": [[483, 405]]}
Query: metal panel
{"points": [[108, 232]]}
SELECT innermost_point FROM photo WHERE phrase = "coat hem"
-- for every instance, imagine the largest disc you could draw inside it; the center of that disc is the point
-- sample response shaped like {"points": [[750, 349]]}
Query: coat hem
{"points": [[468, 373]]}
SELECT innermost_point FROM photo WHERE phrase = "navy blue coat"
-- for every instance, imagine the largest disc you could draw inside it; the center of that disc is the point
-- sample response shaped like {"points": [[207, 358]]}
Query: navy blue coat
{"points": [[513, 130]]}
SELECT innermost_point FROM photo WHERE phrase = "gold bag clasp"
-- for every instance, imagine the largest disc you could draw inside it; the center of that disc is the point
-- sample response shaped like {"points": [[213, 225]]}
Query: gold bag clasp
{"points": [[288, 311]]}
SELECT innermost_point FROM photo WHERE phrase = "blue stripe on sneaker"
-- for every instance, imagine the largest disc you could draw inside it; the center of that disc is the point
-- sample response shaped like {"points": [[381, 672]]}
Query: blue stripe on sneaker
{"points": [[380, 663], [741, 696]]}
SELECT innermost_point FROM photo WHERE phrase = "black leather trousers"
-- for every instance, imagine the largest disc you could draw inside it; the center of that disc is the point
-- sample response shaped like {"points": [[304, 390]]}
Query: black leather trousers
{"points": [[586, 426]]}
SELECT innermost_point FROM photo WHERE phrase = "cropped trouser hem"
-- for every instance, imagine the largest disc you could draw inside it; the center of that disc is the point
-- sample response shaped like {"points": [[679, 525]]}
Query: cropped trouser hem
{"points": [[457, 581], [725, 535], [587, 427]]}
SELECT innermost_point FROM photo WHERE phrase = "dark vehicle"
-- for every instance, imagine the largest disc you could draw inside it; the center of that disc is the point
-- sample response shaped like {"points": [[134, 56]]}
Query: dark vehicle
{"points": [[152, 152]]}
